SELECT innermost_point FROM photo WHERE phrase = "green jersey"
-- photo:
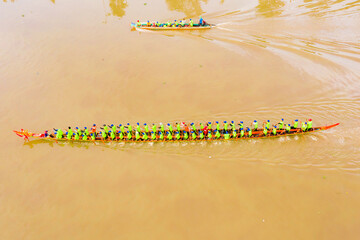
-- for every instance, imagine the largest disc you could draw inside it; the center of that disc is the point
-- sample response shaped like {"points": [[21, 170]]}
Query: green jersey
{"points": [[201, 135], [265, 131], [250, 133], [169, 136], [70, 132], [226, 136], [154, 128], [69, 136], [186, 135], [146, 128], [225, 126], [77, 137], [177, 136], [170, 128], [112, 135], [161, 136], [268, 125], [130, 128], [218, 126], [234, 134], [303, 127], [93, 137], [209, 135], [121, 136], [153, 136], [281, 125], [106, 128], [288, 128], [242, 133], [84, 137], [256, 125], [193, 135], [296, 124], [309, 125], [137, 135], [217, 134], [103, 135], [178, 127], [129, 136], [274, 131], [201, 126], [138, 128], [194, 127], [162, 128], [114, 129], [145, 137]]}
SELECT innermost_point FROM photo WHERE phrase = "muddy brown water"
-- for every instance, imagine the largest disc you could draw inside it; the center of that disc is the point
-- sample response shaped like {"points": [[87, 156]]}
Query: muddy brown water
{"points": [[75, 63]]}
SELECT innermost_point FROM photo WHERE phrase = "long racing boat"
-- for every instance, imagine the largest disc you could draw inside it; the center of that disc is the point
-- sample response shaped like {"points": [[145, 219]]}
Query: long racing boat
{"points": [[169, 28], [192, 135]]}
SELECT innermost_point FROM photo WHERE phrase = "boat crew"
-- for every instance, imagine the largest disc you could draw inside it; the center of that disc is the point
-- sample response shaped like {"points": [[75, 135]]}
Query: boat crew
{"points": [[162, 128], [226, 135], [249, 132], [206, 130], [201, 127], [175, 24], [209, 135], [193, 127], [148, 23], [309, 124], [46, 133], [233, 127], [183, 23], [70, 131], [295, 124], [154, 128], [287, 128], [201, 135], [93, 128], [105, 128], [157, 24], [281, 124], [122, 128], [76, 136], [129, 127], [93, 137], [201, 21], [209, 126], [274, 130], [69, 135], [84, 137], [186, 135], [241, 125], [138, 23], [256, 124], [112, 135], [103, 135], [59, 134], [146, 128], [178, 127], [113, 128], [191, 24]]}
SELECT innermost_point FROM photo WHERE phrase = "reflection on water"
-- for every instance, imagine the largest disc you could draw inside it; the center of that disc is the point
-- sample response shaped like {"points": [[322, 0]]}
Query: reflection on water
{"points": [[117, 7], [191, 8], [270, 8]]}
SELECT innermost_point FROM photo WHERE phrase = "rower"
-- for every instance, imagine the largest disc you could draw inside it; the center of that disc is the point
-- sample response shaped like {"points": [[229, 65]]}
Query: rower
{"points": [[162, 128], [69, 135], [169, 135], [201, 135], [287, 128], [191, 24], [178, 127], [138, 127], [303, 126], [84, 137], [249, 132], [209, 135], [137, 135], [268, 124], [76, 136], [161, 136], [157, 24], [175, 24], [193, 135], [138, 23], [122, 128], [193, 127], [226, 135], [186, 135], [217, 126], [265, 131], [129, 136], [274, 131], [153, 135], [234, 133], [309, 124], [217, 134], [146, 128], [148, 23], [106, 128], [113, 128], [177, 135], [93, 128], [242, 132], [295, 124], [281, 124], [183, 23], [201, 21], [233, 127], [112, 135], [225, 125], [70, 131], [145, 137], [209, 126], [103, 135], [121, 135], [170, 127], [93, 137], [241, 124], [201, 127], [256, 124], [154, 128]]}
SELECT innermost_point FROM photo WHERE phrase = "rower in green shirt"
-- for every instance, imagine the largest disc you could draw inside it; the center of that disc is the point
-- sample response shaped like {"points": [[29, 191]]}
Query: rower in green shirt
{"points": [[154, 128], [193, 135], [201, 135], [193, 127], [281, 124], [161, 136], [309, 124], [137, 135], [169, 135], [170, 127], [177, 135], [92, 135], [274, 130], [106, 128], [113, 128], [103, 135], [129, 136], [255, 125], [121, 135], [209, 135], [76, 136], [178, 127], [304, 126], [217, 134], [249, 132], [186, 135], [112, 135], [268, 124], [209, 126], [69, 135], [201, 127], [265, 131], [191, 24], [225, 126], [162, 128], [242, 132], [234, 133], [129, 127], [226, 135], [145, 137], [233, 127], [70, 131], [296, 123], [146, 128], [287, 128], [138, 127], [241, 124], [84, 137], [217, 126], [153, 135]]}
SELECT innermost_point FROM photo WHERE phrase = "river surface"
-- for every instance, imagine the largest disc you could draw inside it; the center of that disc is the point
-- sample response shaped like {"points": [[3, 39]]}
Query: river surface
{"points": [[75, 63]]}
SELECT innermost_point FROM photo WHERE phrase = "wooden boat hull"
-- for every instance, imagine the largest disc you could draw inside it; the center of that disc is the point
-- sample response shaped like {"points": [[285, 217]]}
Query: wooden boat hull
{"points": [[133, 25], [255, 135]]}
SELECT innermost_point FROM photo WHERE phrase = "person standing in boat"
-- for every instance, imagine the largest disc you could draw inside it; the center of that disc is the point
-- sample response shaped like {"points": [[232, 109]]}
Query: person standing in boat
{"points": [[202, 22]]}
